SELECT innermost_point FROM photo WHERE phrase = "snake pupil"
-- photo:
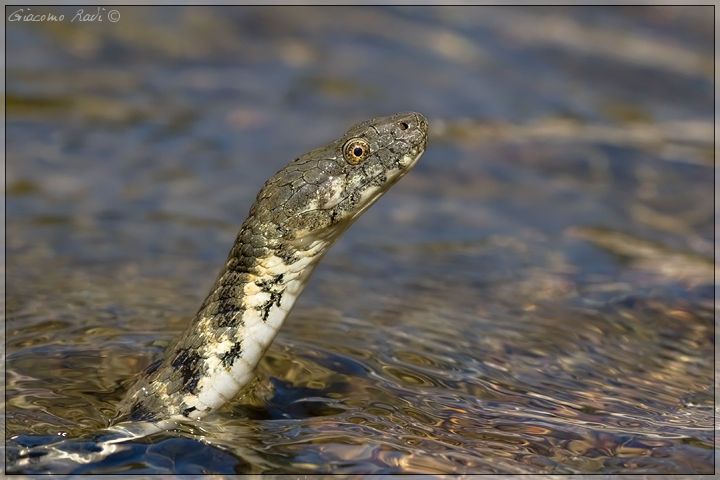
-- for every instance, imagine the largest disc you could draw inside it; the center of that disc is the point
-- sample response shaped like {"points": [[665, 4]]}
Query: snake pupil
{"points": [[358, 151]]}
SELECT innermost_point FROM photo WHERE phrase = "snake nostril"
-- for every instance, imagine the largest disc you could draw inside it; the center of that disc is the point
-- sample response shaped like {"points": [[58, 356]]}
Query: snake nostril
{"points": [[403, 125]]}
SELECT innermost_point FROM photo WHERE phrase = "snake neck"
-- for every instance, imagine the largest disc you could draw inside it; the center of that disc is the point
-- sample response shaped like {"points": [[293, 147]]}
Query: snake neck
{"points": [[261, 273]]}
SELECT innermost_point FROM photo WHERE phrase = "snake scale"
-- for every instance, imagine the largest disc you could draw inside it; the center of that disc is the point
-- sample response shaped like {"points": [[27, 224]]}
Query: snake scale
{"points": [[298, 215]]}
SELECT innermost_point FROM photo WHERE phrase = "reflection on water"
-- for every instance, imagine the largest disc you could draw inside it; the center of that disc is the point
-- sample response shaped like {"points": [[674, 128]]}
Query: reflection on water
{"points": [[427, 381], [535, 297]]}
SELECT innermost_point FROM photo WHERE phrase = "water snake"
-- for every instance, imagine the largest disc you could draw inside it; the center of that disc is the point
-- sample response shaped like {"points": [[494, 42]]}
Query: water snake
{"points": [[298, 215]]}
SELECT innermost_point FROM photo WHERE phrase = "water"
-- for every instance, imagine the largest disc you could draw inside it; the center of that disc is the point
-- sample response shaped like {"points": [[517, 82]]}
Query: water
{"points": [[537, 296]]}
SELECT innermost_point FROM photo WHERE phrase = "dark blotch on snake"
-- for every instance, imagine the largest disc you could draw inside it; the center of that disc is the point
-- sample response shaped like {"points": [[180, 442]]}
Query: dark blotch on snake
{"points": [[265, 307], [187, 363], [231, 355], [140, 414], [153, 366]]}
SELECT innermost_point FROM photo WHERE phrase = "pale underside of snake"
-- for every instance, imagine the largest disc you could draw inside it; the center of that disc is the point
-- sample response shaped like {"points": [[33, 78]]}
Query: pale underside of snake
{"points": [[297, 216]]}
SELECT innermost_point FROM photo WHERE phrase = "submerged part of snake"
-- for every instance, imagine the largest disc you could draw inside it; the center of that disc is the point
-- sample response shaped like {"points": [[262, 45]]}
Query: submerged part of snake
{"points": [[298, 215]]}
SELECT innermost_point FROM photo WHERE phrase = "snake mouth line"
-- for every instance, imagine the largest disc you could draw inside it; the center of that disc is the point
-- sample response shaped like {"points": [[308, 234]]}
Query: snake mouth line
{"points": [[372, 194]]}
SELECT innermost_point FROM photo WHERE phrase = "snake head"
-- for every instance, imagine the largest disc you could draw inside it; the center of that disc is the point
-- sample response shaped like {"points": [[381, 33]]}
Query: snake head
{"points": [[320, 194]]}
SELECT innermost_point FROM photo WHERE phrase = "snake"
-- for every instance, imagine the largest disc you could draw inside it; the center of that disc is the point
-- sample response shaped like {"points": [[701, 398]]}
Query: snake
{"points": [[298, 215]]}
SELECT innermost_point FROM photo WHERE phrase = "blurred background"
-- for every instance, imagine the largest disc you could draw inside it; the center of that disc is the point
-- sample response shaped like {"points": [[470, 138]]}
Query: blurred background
{"points": [[536, 296]]}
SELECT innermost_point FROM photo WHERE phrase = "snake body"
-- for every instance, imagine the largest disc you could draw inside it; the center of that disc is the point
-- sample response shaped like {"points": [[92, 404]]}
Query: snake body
{"points": [[297, 216]]}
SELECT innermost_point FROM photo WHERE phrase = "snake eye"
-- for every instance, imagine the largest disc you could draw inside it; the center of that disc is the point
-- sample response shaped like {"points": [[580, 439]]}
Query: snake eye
{"points": [[356, 150]]}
